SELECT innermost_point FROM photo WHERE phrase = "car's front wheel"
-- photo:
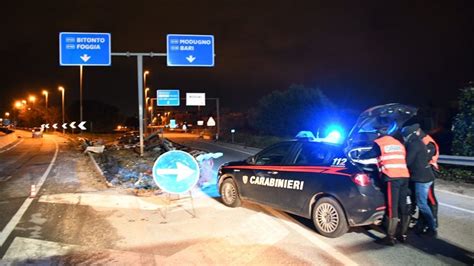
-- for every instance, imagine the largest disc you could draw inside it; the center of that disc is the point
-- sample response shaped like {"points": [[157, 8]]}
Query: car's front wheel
{"points": [[229, 193], [329, 218]]}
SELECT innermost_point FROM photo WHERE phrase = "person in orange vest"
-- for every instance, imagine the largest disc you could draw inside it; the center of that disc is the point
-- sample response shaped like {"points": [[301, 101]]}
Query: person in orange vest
{"points": [[391, 162], [420, 174], [433, 155]]}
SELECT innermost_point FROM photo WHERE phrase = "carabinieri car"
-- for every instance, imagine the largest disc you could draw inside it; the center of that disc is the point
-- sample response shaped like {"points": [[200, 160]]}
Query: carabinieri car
{"points": [[317, 180]]}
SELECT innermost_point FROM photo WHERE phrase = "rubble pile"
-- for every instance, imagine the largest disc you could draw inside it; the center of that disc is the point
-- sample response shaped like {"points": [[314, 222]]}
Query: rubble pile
{"points": [[122, 166]]}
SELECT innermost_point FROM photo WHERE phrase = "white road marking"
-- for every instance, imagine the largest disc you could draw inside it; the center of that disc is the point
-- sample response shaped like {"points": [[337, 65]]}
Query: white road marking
{"points": [[16, 218], [220, 146], [4, 179], [298, 227], [100, 201], [269, 229], [24, 250], [455, 194], [124, 201], [21, 140], [456, 208]]}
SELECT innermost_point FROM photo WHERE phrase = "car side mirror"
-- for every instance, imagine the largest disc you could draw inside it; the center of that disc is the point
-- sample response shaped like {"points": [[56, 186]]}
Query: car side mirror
{"points": [[251, 160]]}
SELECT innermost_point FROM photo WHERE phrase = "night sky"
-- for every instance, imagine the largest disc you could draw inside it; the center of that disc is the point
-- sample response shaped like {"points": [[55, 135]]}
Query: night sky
{"points": [[358, 54]]}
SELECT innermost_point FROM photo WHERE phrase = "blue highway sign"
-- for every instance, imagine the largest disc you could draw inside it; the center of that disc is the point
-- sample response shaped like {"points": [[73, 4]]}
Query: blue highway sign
{"points": [[167, 97], [176, 172], [190, 50], [86, 49]]}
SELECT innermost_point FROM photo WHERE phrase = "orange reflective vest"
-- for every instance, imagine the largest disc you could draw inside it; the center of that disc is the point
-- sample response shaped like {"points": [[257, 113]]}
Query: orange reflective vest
{"points": [[434, 160], [392, 160]]}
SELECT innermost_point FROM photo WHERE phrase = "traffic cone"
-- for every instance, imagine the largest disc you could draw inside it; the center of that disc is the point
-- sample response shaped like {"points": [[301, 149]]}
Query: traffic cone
{"points": [[33, 191]]}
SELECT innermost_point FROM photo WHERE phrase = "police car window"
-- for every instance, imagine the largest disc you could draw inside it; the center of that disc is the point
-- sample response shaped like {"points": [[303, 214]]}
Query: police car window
{"points": [[273, 155], [312, 154]]}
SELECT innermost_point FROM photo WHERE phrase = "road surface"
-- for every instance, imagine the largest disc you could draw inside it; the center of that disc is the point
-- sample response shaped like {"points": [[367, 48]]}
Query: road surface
{"points": [[454, 245], [77, 219]]}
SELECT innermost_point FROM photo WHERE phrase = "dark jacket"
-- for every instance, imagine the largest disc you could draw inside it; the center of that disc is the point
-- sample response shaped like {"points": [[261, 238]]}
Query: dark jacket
{"points": [[418, 160]]}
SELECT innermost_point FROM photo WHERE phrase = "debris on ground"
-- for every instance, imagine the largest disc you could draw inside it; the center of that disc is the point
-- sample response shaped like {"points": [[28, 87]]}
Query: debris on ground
{"points": [[96, 146], [95, 149], [122, 166]]}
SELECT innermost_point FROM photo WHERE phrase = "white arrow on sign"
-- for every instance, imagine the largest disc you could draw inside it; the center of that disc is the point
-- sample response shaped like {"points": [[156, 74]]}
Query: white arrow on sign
{"points": [[46, 126], [81, 125], [190, 58], [42, 126], [65, 125], [181, 171], [55, 125], [72, 125], [85, 57]]}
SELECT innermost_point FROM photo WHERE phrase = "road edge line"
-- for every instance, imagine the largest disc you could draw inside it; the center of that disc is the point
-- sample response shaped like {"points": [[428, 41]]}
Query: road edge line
{"points": [[297, 226], [456, 208], [454, 193], [225, 147], [19, 141], [24, 207]]}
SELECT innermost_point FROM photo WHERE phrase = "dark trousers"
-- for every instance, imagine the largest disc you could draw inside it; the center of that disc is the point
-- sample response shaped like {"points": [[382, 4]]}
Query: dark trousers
{"points": [[396, 196], [433, 203]]}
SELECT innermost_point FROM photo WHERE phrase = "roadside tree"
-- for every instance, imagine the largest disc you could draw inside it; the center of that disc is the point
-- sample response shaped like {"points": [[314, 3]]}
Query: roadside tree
{"points": [[284, 113], [463, 125]]}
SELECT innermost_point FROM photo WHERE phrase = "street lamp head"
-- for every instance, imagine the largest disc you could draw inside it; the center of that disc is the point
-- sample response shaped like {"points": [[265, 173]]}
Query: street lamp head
{"points": [[7, 114], [146, 72], [18, 104], [23, 101], [45, 92], [61, 88], [32, 98]]}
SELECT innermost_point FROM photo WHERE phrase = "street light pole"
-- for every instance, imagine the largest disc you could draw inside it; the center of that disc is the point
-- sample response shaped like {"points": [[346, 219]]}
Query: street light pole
{"points": [[45, 93], [62, 94], [146, 93]]}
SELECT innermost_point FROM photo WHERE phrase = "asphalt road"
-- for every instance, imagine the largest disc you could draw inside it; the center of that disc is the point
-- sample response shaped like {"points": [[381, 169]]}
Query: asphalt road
{"points": [[77, 219], [454, 245]]}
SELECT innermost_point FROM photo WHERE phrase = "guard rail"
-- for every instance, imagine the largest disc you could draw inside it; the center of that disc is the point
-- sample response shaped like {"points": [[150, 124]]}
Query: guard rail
{"points": [[456, 160]]}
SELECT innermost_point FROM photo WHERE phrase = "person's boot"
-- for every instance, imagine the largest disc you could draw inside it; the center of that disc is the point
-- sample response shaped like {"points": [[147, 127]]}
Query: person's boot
{"points": [[405, 222], [390, 239]]}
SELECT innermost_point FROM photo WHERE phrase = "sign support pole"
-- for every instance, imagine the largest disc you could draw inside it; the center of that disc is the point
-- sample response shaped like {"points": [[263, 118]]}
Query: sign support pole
{"points": [[218, 119], [140, 87], [140, 98], [80, 93]]}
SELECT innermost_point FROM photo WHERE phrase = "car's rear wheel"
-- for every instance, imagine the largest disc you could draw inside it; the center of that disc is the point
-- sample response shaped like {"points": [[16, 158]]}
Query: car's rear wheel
{"points": [[229, 193], [329, 218]]}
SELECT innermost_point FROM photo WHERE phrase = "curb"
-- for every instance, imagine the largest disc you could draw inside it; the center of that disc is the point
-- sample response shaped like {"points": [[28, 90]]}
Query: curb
{"points": [[97, 168], [10, 138]]}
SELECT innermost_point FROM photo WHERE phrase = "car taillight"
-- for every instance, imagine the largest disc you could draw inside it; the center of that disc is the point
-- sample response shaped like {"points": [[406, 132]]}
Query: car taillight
{"points": [[361, 179]]}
